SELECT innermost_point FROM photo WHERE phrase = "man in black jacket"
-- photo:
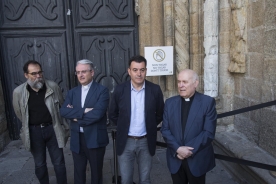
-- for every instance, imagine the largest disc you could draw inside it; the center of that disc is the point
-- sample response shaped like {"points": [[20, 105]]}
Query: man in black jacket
{"points": [[136, 108]]}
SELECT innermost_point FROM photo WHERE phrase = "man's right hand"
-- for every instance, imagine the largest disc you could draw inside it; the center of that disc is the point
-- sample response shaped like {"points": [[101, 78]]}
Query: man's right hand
{"points": [[184, 152]]}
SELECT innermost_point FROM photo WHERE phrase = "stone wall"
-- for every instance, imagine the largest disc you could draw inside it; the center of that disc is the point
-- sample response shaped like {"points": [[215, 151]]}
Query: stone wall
{"points": [[258, 84], [247, 56], [226, 80], [4, 134]]}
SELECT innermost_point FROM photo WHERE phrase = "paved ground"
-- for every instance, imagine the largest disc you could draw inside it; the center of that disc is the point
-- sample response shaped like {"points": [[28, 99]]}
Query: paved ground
{"points": [[17, 167]]}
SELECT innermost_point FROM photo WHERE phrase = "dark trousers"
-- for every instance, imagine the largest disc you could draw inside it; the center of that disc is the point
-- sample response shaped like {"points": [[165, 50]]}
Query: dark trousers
{"points": [[95, 157], [184, 175], [40, 139]]}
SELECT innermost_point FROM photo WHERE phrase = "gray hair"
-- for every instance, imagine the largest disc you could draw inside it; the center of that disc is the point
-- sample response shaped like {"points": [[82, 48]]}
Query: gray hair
{"points": [[86, 62], [193, 73], [195, 76]]}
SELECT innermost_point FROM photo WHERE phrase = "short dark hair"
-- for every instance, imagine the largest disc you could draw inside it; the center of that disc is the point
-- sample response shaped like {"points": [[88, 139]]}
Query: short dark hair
{"points": [[30, 62], [138, 59]]}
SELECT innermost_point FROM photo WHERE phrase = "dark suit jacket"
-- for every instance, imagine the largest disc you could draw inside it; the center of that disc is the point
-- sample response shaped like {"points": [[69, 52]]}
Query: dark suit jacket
{"points": [[199, 133], [120, 112], [93, 122]]}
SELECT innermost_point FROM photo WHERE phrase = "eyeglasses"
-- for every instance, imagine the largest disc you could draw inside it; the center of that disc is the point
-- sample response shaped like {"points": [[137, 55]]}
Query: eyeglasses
{"points": [[36, 73], [82, 72]]}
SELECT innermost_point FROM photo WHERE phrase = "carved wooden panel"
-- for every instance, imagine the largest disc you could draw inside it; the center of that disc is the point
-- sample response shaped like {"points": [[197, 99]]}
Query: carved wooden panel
{"points": [[48, 49], [109, 51], [95, 13], [32, 13]]}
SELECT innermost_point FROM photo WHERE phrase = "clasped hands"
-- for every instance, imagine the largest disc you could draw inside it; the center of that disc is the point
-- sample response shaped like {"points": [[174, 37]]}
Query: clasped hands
{"points": [[184, 152], [85, 111]]}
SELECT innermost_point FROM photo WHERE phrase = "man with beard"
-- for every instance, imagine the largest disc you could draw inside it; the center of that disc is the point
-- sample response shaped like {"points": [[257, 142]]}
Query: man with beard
{"points": [[36, 103]]}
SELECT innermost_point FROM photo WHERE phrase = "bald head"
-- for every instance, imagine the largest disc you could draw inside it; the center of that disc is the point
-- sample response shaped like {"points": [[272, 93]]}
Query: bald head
{"points": [[187, 81]]}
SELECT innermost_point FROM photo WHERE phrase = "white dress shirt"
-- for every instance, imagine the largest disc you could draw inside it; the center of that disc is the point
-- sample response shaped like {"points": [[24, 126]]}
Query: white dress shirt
{"points": [[84, 91]]}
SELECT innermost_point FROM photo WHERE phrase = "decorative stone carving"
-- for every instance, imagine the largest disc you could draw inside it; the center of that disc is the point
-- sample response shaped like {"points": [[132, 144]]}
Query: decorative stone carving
{"points": [[137, 7], [238, 36], [182, 23], [211, 48]]}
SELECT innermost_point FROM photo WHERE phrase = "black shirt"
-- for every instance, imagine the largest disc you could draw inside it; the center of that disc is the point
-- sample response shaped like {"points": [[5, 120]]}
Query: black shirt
{"points": [[38, 111], [185, 108]]}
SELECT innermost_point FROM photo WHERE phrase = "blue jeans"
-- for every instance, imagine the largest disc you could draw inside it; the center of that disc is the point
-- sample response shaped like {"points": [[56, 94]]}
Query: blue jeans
{"points": [[135, 149], [40, 139]]}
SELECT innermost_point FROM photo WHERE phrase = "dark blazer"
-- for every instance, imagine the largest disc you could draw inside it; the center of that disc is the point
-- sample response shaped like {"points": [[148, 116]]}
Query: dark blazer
{"points": [[199, 133], [93, 122], [120, 112]]}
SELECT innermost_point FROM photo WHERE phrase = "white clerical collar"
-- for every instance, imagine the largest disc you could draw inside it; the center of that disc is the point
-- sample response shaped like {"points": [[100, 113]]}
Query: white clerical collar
{"points": [[87, 86], [187, 99]]}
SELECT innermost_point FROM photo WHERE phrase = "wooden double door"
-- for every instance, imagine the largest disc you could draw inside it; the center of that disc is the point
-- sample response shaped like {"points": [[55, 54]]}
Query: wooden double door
{"points": [[57, 33]]}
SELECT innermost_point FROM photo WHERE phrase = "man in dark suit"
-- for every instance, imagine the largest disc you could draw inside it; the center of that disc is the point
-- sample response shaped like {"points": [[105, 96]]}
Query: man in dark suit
{"points": [[189, 126], [136, 108], [86, 105]]}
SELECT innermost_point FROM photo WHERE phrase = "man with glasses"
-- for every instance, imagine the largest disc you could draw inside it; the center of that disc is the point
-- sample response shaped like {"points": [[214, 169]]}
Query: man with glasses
{"points": [[36, 103], [86, 105]]}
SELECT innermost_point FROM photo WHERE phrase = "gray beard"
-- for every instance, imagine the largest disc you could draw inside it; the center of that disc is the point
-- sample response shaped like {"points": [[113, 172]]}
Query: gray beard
{"points": [[37, 84]]}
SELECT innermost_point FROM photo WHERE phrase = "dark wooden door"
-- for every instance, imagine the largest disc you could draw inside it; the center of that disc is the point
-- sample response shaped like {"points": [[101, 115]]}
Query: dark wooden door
{"points": [[57, 33], [105, 32]]}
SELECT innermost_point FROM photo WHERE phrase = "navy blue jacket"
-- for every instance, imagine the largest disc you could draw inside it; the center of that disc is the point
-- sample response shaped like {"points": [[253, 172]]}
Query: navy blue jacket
{"points": [[93, 122], [199, 133]]}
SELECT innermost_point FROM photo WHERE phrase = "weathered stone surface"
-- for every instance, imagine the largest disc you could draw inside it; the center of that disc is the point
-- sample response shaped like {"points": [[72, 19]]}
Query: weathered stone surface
{"points": [[194, 44], [239, 103], [268, 92], [194, 26], [238, 85], [257, 13], [256, 115], [270, 12], [224, 4], [251, 89], [181, 34], [224, 20], [194, 7], [224, 60], [268, 131], [211, 47], [256, 65], [249, 128], [269, 71], [227, 87], [196, 63], [239, 36], [256, 40], [156, 22], [270, 44], [224, 42], [144, 25]]}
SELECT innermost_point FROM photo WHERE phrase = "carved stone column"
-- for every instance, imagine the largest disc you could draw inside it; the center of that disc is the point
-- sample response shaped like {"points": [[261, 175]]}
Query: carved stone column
{"points": [[157, 33], [181, 10], [151, 29], [211, 48], [169, 41]]}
